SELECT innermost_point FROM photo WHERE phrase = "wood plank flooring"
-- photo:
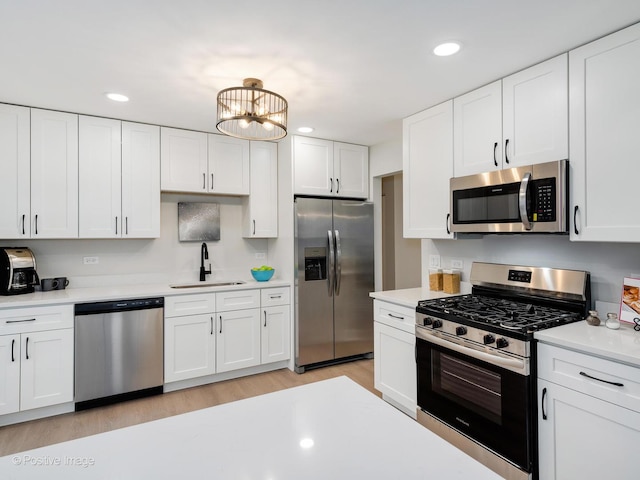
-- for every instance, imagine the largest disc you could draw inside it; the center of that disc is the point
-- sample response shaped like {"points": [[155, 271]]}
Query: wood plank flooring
{"points": [[39, 433]]}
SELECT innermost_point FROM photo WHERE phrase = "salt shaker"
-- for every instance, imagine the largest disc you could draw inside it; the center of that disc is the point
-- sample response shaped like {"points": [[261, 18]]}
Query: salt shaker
{"points": [[593, 318], [612, 321]]}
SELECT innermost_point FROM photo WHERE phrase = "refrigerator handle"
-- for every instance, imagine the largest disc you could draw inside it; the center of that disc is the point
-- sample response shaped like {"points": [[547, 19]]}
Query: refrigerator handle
{"points": [[330, 273], [338, 262]]}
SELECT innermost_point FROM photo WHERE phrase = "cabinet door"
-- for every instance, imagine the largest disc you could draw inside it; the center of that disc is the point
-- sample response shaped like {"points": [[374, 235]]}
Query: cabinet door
{"points": [[228, 165], [54, 174], [140, 180], [183, 160], [238, 340], [581, 436], [535, 114], [46, 368], [189, 347], [604, 101], [99, 175], [260, 208], [427, 166], [477, 130], [313, 166], [351, 170], [275, 337], [15, 156], [9, 374], [394, 365]]}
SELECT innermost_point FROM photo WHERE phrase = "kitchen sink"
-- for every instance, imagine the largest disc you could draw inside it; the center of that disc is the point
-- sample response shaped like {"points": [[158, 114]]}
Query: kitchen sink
{"points": [[206, 284]]}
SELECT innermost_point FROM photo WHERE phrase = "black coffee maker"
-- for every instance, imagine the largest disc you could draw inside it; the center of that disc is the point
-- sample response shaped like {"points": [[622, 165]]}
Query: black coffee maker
{"points": [[17, 271]]}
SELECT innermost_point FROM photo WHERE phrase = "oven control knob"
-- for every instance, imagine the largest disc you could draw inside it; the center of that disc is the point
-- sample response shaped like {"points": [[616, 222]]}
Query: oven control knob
{"points": [[436, 324], [502, 343], [461, 331], [426, 321], [488, 338]]}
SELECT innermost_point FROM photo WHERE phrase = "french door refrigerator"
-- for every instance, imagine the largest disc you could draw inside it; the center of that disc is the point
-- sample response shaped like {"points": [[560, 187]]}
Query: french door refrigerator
{"points": [[334, 275]]}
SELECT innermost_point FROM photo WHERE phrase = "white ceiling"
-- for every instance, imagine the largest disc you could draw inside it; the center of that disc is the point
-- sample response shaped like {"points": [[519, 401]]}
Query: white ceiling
{"points": [[350, 68]]}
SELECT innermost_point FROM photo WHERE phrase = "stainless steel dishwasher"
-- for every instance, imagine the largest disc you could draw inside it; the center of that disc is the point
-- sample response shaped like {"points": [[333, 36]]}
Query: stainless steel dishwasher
{"points": [[119, 349]]}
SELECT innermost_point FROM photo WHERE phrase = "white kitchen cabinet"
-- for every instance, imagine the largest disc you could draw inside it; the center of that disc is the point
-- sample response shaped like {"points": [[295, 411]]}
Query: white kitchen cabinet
{"points": [[183, 160], [189, 346], [229, 165], [238, 339], [394, 355], [276, 325], [604, 124], [119, 172], [588, 415], [427, 166], [54, 174], [519, 120], [330, 169], [260, 208], [36, 357], [15, 164]]}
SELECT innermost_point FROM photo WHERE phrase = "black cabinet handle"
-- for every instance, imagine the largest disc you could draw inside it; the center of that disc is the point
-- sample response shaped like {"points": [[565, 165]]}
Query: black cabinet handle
{"points": [[265, 318], [13, 345], [396, 316], [27, 349], [220, 323], [544, 394], [575, 227], [204, 181], [212, 181], [116, 225], [126, 225], [36, 223], [331, 188], [338, 185], [254, 227], [495, 160], [447, 224], [506, 151], [616, 384], [211, 325], [23, 219]]}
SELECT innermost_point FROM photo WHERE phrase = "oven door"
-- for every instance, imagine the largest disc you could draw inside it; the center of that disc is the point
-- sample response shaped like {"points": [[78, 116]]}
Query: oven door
{"points": [[489, 403]]}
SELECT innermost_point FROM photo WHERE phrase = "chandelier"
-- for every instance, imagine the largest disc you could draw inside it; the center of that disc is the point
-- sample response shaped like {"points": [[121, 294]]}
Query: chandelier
{"points": [[252, 113]]}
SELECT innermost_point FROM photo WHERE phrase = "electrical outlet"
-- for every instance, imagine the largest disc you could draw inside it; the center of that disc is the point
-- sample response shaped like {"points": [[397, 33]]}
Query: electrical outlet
{"points": [[260, 256], [434, 261], [91, 260], [457, 264]]}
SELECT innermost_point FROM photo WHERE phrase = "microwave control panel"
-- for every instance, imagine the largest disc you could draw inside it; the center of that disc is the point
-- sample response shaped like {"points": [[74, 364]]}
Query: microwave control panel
{"points": [[544, 200]]}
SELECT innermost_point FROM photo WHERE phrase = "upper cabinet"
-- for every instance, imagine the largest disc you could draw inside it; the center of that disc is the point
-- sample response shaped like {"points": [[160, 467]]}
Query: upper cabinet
{"points": [[604, 125], [519, 120], [260, 208], [119, 173], [204, 163], [330, 169], [427, 166], [15, 164], [54, 174]]}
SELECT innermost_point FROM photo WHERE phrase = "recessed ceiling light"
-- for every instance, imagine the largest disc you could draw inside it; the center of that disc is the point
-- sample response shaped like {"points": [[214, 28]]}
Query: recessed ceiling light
{"points": [[305, 129], [445, 49], [117, 97]]}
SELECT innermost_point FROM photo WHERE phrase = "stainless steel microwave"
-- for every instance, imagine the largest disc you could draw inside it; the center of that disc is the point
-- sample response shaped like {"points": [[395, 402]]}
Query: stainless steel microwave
{"points": [[529, 199]]}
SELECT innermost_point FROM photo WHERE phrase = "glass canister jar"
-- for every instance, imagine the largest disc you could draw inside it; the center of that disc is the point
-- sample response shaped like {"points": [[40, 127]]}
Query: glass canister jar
{"points": [[612, 321], [593, 318]]}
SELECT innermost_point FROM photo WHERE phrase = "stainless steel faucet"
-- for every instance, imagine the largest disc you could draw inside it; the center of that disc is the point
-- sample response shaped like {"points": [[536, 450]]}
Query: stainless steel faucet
{"points": [[204, 255]]}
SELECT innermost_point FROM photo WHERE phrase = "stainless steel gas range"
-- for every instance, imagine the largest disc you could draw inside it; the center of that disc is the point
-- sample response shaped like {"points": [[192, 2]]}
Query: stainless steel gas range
{"points": [[476, 359]]}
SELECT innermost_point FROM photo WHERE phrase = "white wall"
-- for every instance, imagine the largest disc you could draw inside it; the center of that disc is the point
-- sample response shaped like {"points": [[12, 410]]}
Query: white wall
{"points": [[161, 260], [608, 263]]}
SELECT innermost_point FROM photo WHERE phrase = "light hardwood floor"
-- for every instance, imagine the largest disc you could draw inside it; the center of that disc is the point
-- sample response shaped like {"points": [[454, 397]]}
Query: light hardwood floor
{"points": [[39, 433]]}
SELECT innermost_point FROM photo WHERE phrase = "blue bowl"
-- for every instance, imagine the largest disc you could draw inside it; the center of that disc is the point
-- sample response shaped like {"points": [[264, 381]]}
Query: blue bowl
{"points": [[262, 275]]}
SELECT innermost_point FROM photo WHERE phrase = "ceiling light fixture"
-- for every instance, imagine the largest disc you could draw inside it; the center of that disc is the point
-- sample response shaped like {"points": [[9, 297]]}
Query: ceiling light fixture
{"points": [[252, 113], [446, 49], [117, 97]]}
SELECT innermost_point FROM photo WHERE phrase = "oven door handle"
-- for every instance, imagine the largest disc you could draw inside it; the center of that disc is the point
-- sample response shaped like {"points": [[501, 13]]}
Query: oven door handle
{"points": [[513, 364], [522, 201]]}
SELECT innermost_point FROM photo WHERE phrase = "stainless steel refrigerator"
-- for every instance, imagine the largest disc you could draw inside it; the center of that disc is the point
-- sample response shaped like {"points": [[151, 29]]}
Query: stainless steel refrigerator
{"points": [[334, 275]]}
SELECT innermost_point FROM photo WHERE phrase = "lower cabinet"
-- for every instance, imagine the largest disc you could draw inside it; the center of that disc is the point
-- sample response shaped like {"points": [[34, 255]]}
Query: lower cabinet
{"points": [[36, 366], [588, 416], [394, 355], [221, 332]]}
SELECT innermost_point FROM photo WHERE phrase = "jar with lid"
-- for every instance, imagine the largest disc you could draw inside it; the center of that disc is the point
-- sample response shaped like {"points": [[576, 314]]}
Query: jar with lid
{"points": [[451, 281], [593, 318], [435, 280], [612, 321]]}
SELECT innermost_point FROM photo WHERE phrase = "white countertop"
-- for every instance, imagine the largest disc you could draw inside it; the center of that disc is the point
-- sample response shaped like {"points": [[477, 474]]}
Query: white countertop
{"points": [[621, 345], [96, 294], [355, 435], [409, 297]]}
